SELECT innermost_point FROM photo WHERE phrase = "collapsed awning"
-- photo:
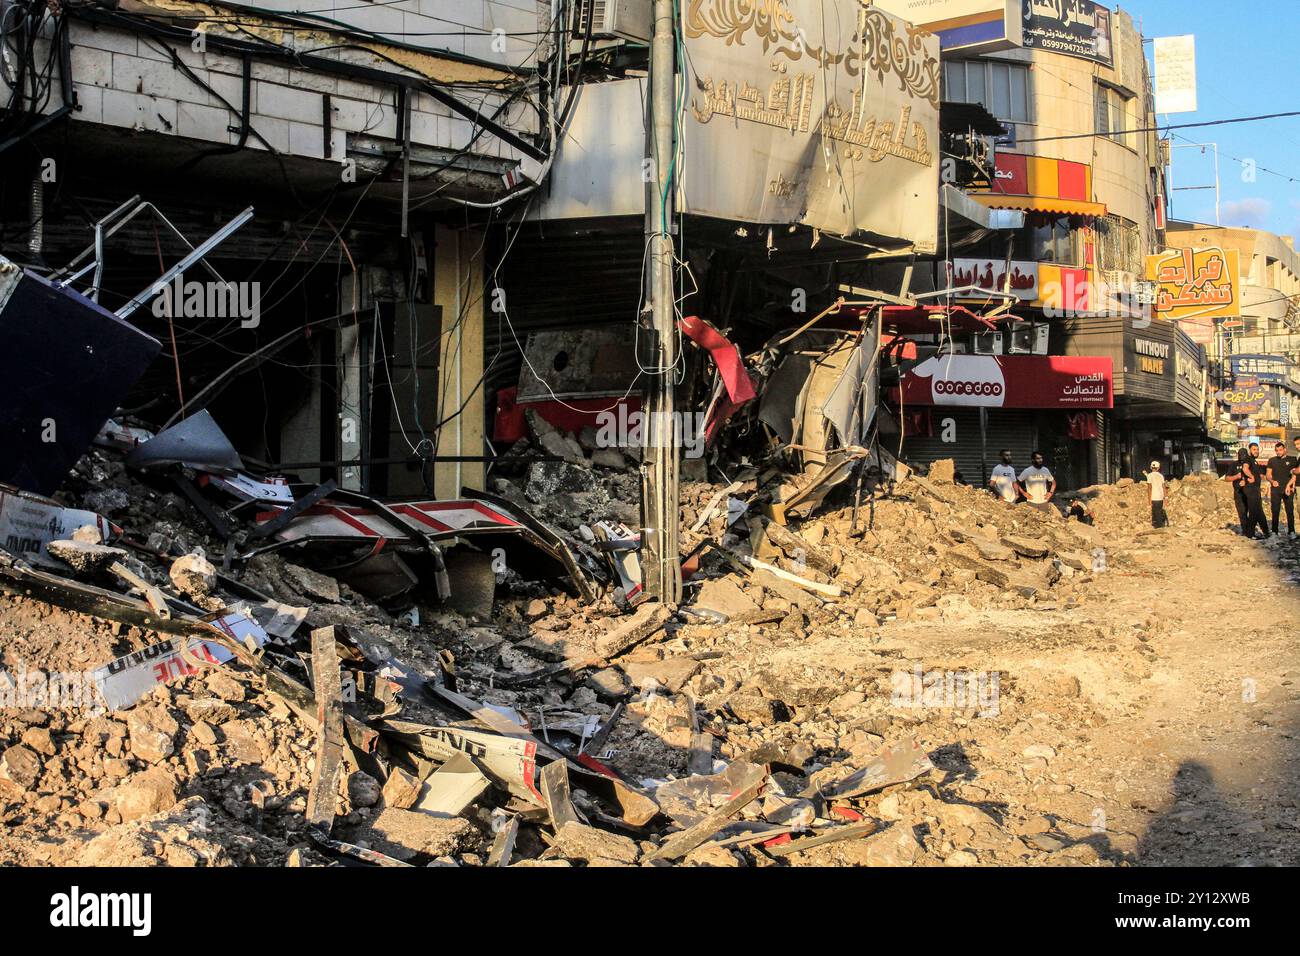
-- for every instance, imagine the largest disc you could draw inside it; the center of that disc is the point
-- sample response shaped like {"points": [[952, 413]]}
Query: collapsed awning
{"points": [[961, 204], [1048, 204]]}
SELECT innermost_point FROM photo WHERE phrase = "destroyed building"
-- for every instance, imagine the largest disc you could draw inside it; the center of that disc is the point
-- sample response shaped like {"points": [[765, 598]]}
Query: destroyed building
{"points": [[336, 348]]}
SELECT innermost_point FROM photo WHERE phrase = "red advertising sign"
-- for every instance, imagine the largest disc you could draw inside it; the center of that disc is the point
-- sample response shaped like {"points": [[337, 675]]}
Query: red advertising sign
{"points": [[1011, 381]]}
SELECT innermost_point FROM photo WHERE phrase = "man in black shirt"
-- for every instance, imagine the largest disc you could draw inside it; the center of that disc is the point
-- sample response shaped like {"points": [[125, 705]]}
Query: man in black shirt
{"points": [[1281, 487], [1253, 478]]}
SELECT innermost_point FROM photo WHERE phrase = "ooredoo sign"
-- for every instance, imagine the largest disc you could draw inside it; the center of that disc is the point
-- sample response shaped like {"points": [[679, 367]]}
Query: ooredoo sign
{"points": [[1011, 381]]}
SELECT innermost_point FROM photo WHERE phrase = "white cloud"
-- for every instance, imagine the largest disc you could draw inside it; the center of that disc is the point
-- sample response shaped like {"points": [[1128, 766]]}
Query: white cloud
{"points": [[1250, 213]]}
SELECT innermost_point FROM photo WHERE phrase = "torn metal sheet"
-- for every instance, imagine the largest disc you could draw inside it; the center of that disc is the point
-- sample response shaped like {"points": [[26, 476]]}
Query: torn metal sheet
{"points": [[196, 442], [555, 788], [509, 761], [734, 387], [124, 681], [852, 831], [28, 523], [692, 798], [65, 364], [621, 548], [896, 763], [451, 788], [503, 844], [487, 523], [678, 845]]}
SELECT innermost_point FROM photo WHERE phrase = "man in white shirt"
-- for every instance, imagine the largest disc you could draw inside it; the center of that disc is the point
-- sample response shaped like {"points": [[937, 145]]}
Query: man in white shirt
{"points": [[1037, 483], [1156, 491], [1003, 481]]}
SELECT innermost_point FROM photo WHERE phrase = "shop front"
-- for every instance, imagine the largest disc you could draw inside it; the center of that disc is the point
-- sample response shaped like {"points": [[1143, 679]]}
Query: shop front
{"points": [[1159, 412], [971, 407]]}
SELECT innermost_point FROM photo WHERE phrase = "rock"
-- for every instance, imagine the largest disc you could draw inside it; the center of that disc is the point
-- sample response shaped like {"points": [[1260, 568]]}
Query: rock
{"points": [[1026, 547], [754, 708], [363, 789], [85, 557], [724, 596], [609, 683], [535, 608], [865, 619], [942, 470], [180, 836], [202, 732], [194, 576], [208, 709], [142, 794], [711, 855], [575, 841], [401, 789], [608, 458], [225, 687], [88, 534], [39, 739], [1078, 560], [1039, 750], [961, 814], [671, 673], [20, 768], [992, 551], [153, 733], [893, 846], [961, 858], [312, 583], [406, 834]]}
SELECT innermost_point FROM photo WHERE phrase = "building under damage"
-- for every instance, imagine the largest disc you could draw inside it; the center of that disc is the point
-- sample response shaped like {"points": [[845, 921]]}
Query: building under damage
{"points": [[321, 325]]}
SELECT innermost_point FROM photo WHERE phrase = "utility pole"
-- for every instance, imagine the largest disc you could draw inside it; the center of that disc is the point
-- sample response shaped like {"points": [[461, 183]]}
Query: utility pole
{"points": [[660, 550]]}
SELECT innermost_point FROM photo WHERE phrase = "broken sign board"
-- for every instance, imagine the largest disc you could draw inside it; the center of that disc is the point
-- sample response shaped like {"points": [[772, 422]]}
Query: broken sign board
{"points": [[247, 488], [65, 364], [28, 523], [196, 442], [451, 788], [510, 761], [124, 681]]}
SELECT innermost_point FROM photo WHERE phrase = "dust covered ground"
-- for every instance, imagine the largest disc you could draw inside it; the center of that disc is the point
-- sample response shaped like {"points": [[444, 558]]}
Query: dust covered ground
{"points": [[1087, 696]]}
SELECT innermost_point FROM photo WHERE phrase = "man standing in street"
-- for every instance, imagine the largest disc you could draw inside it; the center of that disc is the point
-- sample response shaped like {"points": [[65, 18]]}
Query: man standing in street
{"points": [[1156, 492], [1037, 483], [1282, 486], [1251, 488], [1003, 481]]}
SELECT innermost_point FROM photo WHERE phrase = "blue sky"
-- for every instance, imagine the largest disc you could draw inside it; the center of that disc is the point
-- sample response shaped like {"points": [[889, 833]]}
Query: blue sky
{"points": [[1247, 63]]}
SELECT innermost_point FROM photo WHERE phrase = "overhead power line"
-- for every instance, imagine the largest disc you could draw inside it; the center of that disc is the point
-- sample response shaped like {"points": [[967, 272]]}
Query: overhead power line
{"points": [[1158, 129]]}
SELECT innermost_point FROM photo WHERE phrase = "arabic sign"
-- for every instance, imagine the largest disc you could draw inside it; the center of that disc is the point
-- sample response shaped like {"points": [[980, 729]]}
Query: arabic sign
{"points": [[971, 26], [1175, 80], [1196, 283], [1242, 396], [992, 274], [1011, 381], [1074, 27], [801, 114]]}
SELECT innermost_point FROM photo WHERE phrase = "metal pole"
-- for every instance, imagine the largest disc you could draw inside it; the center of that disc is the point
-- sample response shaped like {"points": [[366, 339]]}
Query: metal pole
{"points": [[660, 564]]}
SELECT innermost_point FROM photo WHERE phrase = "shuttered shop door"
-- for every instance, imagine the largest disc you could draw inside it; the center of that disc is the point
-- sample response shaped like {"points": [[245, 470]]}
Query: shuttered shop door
{"points": [[1012, 428]]}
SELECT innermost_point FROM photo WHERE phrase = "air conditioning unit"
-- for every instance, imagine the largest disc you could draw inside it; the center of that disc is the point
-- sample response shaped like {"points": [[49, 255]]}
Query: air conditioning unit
{"points": [[1022, 339], [988, 343], [614, 19]]}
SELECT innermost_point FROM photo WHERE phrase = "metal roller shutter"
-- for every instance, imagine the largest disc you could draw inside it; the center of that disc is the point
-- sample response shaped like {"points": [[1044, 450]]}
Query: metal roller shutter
{"points": [[1012, 428]]}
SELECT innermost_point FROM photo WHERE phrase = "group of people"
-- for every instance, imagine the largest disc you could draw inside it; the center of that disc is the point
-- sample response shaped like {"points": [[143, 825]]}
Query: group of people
{"points": [[1034, 485], [1249, 479]]}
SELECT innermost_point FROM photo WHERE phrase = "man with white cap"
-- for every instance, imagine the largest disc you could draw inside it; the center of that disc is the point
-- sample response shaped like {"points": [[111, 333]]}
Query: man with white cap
{"points": [[1156, 492]]}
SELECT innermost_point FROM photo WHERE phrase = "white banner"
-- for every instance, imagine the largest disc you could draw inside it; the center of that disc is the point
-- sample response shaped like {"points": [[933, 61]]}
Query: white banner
{"points": [[1175, 80]]}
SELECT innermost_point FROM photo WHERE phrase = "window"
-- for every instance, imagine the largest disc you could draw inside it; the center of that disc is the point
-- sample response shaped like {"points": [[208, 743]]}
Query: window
{"points": [[1000, 87], [1051, 240], [1115, 114]]}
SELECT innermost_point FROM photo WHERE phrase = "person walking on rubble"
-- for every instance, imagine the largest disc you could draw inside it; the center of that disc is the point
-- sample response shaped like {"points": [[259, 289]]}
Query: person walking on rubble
{"points": [[1281, 482], [1156, 493], [1003, 481], [1037, 483]]}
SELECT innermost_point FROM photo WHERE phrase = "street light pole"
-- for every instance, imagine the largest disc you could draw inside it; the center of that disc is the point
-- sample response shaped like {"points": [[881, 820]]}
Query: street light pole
{"points": [[660, 551]]}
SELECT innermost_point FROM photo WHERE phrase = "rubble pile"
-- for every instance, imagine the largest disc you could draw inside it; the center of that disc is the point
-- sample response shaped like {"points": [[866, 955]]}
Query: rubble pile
{"points": [[565, 728], [1199, 500]]}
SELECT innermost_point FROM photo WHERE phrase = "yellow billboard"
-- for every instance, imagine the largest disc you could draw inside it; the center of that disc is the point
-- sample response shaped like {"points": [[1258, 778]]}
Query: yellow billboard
{"points": [[1196, 283]]}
